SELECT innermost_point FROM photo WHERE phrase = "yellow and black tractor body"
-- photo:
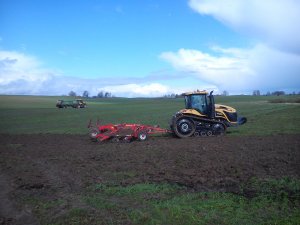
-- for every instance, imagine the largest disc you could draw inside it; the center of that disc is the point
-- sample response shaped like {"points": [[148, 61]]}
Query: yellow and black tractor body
{"points": [[202, 117]]}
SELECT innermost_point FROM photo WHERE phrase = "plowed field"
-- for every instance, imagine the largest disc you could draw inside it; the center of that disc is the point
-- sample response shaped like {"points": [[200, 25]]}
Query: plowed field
{"points": [[57, 167]]}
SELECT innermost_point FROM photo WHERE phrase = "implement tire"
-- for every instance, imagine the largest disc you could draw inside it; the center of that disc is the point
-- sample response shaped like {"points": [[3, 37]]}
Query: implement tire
{"points": [[183, 127], [142, 136], [93, 134]]}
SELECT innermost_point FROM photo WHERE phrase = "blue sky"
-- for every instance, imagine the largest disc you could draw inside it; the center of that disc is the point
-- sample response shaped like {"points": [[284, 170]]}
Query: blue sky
{"points": [[148, 48]]}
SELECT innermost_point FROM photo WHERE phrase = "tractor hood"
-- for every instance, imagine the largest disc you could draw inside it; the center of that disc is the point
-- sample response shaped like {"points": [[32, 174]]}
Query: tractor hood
{"points": [[190, 111], [219, 107], [231, 114]]}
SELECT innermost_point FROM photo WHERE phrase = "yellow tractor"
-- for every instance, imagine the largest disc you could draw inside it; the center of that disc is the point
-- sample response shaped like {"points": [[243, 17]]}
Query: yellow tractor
{"points": [[202, 117]]}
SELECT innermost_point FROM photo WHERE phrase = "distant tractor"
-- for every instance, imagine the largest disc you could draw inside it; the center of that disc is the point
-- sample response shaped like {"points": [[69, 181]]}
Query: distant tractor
{"points": [[202, 117], [78, 103]]}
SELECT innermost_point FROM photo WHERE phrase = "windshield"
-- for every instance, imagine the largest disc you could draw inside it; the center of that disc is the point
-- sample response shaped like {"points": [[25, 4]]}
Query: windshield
{"points": [[197, 102]]}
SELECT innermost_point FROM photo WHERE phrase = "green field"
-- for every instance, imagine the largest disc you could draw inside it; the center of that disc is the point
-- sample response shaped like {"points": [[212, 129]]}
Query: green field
{"points": [[35, 114], [275, 201]]}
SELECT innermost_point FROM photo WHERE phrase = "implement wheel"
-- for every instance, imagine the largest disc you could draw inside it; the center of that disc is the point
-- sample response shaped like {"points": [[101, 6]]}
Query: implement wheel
{"points": [[93, 134], [183, 127], [142, 136]]}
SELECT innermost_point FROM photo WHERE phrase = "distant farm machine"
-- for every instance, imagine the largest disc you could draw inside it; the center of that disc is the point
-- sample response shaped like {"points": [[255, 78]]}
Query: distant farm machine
{"points": [[77, 103], [201, 117]]}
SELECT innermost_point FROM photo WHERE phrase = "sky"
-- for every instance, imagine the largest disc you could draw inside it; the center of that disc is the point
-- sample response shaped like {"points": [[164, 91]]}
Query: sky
{"points": [[148, 48]]}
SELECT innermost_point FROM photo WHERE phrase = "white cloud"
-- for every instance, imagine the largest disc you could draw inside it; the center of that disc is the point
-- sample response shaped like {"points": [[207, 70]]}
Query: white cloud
{"points": [[138, 90], [25, 74], [240, 70], [272, 63], [18, 66], [22, 74], [274, 22]]}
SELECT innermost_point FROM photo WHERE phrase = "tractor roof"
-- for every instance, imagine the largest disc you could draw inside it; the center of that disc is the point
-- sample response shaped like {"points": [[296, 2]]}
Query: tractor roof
{"points": [[196, 93]]}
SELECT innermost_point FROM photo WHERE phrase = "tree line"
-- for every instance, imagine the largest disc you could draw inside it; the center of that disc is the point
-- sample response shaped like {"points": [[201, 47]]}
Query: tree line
{"points": [[226, 93], [86, 94], [105, 94], [275, 93]]}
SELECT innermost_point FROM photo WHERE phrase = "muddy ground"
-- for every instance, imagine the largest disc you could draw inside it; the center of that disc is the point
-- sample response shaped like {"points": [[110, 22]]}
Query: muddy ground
{"points": [[64, 166]]}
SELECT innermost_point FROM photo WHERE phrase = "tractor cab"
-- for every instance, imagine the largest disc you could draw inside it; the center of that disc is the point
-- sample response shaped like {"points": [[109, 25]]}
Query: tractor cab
{"points": [[201, 102]]}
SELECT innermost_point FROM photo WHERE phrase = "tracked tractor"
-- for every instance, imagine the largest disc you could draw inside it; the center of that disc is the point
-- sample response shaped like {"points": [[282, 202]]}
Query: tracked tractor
{"points": [[202, 117]]}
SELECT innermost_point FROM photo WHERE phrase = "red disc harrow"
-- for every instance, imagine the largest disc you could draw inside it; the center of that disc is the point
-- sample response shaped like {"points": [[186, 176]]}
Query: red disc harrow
{"points": [[123, 132]]}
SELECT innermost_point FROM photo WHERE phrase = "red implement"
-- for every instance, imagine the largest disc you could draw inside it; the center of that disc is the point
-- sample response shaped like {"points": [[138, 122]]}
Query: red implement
{"points": [[123, 132]]}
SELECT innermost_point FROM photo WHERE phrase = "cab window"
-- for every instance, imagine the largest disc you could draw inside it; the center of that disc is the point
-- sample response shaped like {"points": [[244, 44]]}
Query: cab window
{"points": [[197, 102]]}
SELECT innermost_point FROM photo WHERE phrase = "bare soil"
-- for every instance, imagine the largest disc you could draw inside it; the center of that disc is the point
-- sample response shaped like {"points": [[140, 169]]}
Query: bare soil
{"points": [[54, 167]]}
